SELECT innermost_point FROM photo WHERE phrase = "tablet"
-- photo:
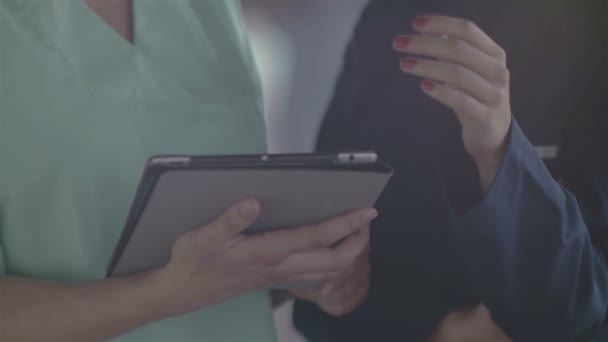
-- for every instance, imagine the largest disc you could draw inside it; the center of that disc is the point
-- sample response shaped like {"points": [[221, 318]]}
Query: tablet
{"points": [[180, 193]]}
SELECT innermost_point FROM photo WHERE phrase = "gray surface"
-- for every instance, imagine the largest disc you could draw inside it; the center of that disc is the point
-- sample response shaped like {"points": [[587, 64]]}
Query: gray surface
{"points": [[184, 200]]}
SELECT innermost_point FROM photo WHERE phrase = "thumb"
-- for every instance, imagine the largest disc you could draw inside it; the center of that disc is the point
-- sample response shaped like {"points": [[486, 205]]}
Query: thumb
{"points": [[230, 223]]}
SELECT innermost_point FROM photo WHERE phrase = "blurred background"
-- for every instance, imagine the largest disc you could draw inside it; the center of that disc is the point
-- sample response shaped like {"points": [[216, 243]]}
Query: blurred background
{"points": [[298, 45]]}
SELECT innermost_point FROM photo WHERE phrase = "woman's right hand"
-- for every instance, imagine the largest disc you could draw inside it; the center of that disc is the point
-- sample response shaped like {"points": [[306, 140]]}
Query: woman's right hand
{"points": [[216, 262]]}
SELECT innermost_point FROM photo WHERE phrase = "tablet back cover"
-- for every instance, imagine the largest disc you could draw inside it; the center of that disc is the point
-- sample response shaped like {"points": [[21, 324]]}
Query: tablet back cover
{"points": [[187, 199]]}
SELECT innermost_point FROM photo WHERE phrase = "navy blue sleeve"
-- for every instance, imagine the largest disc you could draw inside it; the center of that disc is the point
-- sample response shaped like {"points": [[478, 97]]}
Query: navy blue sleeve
{"points": [[530, 252]]}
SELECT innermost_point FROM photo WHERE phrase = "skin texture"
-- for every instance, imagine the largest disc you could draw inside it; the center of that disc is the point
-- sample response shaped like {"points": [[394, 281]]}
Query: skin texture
{"points": [[346, 290]]}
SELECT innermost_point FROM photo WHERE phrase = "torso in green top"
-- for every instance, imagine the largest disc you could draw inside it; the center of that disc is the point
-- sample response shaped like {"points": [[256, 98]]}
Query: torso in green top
{"points": [[81, 110]]}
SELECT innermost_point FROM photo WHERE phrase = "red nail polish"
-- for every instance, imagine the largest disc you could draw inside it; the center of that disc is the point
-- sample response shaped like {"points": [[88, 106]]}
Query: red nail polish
{"points": [[408, 63], [428, 85], [401, 42], [419, 22]]}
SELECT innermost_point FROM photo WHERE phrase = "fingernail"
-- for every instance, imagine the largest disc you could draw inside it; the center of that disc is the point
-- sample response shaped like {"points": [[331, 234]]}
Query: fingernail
{"points": [[408, 63], [248, 208], [427, 85], [419, 22], [401, 42], [370, 215]]}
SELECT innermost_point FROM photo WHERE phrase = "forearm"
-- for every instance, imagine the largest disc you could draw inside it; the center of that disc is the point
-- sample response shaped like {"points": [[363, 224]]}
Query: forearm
{"points": [[37, 310]]}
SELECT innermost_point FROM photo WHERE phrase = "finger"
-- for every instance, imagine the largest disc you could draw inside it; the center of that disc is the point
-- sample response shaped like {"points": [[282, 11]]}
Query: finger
{"points": [[332, 290], [455, 75], [454, 50], [343, 279], [282, 243], [459, 28], [317, 277], [231, 223], [466, 107], [327, 259], [354, 245], [345, 300]]}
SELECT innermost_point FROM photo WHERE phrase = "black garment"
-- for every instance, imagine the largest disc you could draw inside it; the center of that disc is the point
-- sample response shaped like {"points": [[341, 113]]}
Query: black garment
{"points": [[428, 260]]}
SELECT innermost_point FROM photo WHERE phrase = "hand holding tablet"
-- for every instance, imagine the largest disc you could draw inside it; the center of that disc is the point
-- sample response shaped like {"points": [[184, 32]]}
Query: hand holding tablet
{"points": [[178, 194], [215, 262]]}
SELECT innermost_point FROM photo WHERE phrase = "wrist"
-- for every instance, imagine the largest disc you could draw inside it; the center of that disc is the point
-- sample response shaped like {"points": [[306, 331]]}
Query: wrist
{"points": [[153, 295], [488, 167], [172, 294]]}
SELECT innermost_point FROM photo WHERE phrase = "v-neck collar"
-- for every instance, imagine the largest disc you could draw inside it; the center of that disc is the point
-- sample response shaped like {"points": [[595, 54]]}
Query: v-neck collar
{"points": [[210, 31], [106, 29]]}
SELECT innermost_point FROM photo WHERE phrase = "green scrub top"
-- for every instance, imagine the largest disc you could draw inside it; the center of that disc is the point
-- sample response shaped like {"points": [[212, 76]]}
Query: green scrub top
{"points": [[81, 109]]}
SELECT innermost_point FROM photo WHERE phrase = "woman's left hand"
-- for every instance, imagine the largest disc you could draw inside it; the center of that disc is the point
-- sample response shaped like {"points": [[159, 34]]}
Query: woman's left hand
{"points": [[465, 70]]}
